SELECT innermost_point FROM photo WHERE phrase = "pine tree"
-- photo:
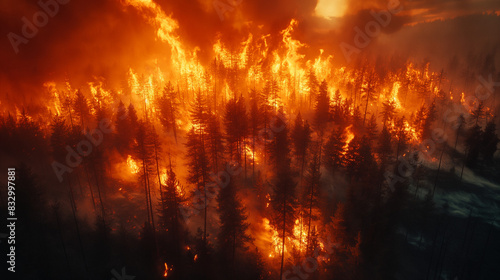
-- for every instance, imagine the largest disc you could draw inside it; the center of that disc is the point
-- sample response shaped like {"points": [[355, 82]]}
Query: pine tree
{"points": [[312, 84], [368, 92], [338, 111], [419, 119], [430, 117], [334, 151], [236, 124], [122, 136], [199, 113], [490, 141], [311, 199], [283, 199], [359, 158], [478, 114], [132, 116], [233, 224], [371, 129], [82, 109], [30, 138], [301, 137], [215, 143], [133, 122], [322, 108], [357, 121], [473, 144], [172, 198], [266, 113], [384, 148], [144, 152], [255, 123], [167, 104], [402, 136], [388, 111], [198, 166], [58, 138]]}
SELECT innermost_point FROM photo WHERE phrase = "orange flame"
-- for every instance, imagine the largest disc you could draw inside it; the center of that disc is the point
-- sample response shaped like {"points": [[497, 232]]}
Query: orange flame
{"points": [[167, 269], [132, 165], [348, 133]]}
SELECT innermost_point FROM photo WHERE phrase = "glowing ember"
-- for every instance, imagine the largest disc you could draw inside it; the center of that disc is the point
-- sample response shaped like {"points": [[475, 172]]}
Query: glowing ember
{"points": [[167, 269]]}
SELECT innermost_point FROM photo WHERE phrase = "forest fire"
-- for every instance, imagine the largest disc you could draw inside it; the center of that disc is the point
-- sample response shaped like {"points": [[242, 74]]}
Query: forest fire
{"points": [[243, 140], [132, 165], [349, 136]]}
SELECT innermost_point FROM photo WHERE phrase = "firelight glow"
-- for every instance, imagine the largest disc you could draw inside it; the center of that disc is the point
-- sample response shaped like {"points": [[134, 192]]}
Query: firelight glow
{"points": [[331, 8]]}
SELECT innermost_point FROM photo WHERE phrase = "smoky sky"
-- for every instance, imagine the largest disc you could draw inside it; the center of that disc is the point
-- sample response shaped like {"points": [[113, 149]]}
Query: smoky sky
{"points": [[88, 39]]}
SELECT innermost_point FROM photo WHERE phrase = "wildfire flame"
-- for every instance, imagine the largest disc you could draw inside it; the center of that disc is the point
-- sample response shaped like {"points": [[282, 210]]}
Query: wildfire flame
{"points": [[298, 241], [349, 136], [132, 165]]}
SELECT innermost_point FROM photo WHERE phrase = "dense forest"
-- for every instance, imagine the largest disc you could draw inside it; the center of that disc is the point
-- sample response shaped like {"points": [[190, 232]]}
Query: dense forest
{"points": [[263, 158], [342, 184]]}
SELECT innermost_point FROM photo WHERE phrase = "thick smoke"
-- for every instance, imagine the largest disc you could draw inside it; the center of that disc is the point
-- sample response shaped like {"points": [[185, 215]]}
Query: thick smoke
{"points": [[84, 39]]}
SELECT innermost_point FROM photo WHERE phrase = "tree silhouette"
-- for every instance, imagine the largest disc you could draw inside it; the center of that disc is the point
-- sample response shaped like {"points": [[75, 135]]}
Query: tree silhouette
{"points": [[172, 198], [371, 128], [301, 137], [388, 111], [312, 84], [167, 104], [215, 143], [82, 108], [310, 200], [368, 92], [236, 124], [322, 108], [233, 225], [283, 200], [490, 141], [334, 151]]}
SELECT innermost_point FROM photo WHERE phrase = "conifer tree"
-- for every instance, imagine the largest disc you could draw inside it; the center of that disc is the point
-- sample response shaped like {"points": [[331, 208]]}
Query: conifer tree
{"points": [[215, 143], [301, 137], [82, 109], [283, 200], [388, 111], [311, 198], [172, 198], [167, 104], [371, 129], [368, 92], [322, 108], [233, 224], [122, 136], [334, 151], [430, 117], [255, 123], [490, 141], [312, 84]]}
